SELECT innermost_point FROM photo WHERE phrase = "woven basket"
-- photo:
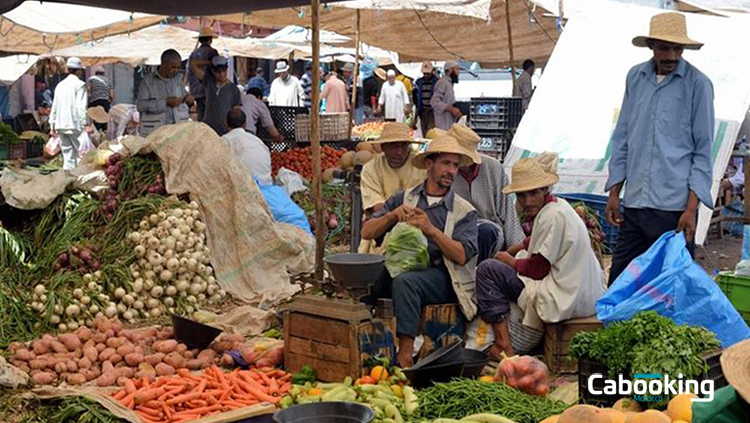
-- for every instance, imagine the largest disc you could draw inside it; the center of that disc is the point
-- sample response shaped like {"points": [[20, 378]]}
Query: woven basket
{"points": [[333, 127]]}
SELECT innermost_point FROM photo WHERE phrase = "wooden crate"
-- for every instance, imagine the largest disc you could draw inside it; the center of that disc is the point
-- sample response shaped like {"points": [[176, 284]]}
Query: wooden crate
{"points": [[557, 338], [440, 324], [335, 348]]}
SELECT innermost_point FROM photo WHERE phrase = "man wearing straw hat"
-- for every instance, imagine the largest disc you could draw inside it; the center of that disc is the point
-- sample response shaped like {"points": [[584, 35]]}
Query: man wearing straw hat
{"points": [[201, 58], [731, 403], [553, 275], [450, 225], [661, 146]]}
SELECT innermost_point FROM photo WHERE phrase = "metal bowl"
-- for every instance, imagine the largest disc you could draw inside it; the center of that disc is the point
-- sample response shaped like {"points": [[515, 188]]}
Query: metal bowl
{"points": [[352, 270], [325, 412], [193, 334]]}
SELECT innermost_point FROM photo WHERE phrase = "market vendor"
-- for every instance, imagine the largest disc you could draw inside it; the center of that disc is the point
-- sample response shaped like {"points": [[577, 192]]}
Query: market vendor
{"points": [[731, 404], [258, 113], [552, 276], [221, 95], [450, 225], [162, 98], [481, 184]]}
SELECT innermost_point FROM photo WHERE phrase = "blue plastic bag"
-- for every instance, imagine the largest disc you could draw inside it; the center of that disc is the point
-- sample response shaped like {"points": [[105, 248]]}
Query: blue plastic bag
{"points": [[283, 208], [667, 280]]}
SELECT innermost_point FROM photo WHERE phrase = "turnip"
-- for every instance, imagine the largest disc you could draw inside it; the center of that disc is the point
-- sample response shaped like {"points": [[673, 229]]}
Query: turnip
{"points": [[171, 291], [40, 290]]}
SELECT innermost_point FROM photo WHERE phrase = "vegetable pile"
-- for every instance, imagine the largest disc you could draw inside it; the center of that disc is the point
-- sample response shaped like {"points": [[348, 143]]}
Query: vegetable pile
{"points": [[131, 178], [189, 397], [300, 160], [465, 397], [336, 212], [369, 131], [591, 219]]}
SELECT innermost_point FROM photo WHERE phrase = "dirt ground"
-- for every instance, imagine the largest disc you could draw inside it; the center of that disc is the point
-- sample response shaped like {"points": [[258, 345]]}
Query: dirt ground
{"points": [[719, 254]]}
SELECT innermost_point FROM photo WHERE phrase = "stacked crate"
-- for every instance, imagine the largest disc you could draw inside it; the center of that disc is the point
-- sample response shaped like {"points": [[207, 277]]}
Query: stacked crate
{"points": [[495, 119]]}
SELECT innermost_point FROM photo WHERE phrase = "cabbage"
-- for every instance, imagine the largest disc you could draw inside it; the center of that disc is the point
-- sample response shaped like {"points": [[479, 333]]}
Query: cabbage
{"points": [[405, 250]]}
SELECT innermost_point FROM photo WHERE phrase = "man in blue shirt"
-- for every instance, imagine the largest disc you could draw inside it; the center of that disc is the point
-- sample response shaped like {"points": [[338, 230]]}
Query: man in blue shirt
{"points": [[661, 147]]}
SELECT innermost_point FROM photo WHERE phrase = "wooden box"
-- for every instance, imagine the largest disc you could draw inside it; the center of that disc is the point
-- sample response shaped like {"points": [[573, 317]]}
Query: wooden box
{"points": [[335, 348], [440, 324], [557, 338]]}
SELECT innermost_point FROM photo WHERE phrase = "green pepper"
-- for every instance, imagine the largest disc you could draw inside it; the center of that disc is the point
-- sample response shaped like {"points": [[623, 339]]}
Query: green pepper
{"points": [[307, 374], [286, 402]]}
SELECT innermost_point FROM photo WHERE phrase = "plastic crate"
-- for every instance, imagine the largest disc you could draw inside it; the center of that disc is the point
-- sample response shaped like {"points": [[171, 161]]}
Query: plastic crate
{"points": [[495, 112], [4, 152], [597, 203], [284, 120], [34, 149], [588, 367], [495, 143], [737, 289], [17, 151]]}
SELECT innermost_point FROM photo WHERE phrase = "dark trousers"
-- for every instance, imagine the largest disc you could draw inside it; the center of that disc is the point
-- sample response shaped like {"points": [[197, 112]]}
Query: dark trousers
{"points": [[427, 120], [411, 291], [200, 108], [638, 232], [487, 241], [106, 105], [497, 286]]}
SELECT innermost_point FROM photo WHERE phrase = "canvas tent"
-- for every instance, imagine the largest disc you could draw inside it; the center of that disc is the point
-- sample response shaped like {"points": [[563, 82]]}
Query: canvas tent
{"points": [[13, 67], [577, 119], [38, 28]]}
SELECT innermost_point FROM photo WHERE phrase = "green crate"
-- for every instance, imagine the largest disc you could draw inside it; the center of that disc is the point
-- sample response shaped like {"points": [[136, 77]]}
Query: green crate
{"points": [[737, 289], [4, 153]]}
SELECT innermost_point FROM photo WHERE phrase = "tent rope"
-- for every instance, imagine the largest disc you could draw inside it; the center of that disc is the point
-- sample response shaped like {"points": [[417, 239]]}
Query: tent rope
{"points": [[536, 21], [419, 15]]}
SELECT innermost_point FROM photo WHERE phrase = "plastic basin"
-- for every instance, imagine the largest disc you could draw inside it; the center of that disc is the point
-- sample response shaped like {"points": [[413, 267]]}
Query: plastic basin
{"points": [[325, 412], [192, 333]]}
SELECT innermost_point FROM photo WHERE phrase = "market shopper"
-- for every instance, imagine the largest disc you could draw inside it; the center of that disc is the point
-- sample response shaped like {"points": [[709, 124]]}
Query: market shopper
{"points": [[101, 92], [422, 95], [393, 98], [256, 112], [661, 146], [450, 225], [370, 92], [162, 99], [286, 89], [444, 98], [221, 95], [730, 404], [524, 88], [68, 114], [482, 183], [201, 58], [306, 82], [552, 276], [335, 95], [124, 119], [260, 82], [249, 149]]}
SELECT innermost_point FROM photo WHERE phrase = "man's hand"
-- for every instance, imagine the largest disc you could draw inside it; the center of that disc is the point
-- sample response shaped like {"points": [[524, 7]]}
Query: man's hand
{"points": [[612, 211], [174, 101], [89, 129], [420, 220], [726, 185], [189, 99], [456, 112], [687, 223], [403, 213], [506, 258]]}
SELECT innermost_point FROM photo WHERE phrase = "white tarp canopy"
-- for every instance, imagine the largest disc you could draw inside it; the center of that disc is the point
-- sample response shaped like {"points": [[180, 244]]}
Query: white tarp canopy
{"points": [[146, 46], [472, 8], [13, 67], [576, 104], [293, 34]]}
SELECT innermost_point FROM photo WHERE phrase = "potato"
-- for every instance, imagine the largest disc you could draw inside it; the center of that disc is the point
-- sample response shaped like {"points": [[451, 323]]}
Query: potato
{"points": [[115, 342], [84, 363], [181, 348], [121, 381], [78, 353], [59, 347], [189, 355], [61, 367], [110, 333], [143, 374], [107, 367], [71, 341], [125, 372], [43, 378], [24, 368], [207, 355], [227, 360], [107, 379], [163, 369], [99, 338], [100, 347], [196, 364], [106, 354], [72, 366], [76, 379], [140, 350], [115, 358], [165, 333], [165, 347], [91, 353], [175, 360], [235, 337], [134, 359], [24, 354], [84, 334], [40, 347], [38, 364], [125, 349], [14, 346], [103, 325], [92, 373]]}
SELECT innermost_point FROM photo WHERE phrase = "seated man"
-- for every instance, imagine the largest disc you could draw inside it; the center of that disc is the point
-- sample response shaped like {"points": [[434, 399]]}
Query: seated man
{"points": [[450, 225], [481, 184], [554, 275], [249, 149], [257, 112]]}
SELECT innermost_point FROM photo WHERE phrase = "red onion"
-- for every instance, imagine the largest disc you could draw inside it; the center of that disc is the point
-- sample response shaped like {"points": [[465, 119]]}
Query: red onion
{"points": [[86, 256], [74, 250], [63, 258], [96, 265], [57, 267]]}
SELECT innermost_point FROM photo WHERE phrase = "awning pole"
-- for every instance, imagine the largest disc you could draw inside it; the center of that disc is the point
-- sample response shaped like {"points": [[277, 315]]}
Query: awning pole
{"points": [[320, 227], [354, 77], [510, 44]]}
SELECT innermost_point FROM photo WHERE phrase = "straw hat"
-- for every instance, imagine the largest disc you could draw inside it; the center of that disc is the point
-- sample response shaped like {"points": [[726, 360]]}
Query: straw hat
{"points": [[98, 114], [434, 133], [395, 132], [670, 27], [380, 73], [443, 143], [427, 66], [531, 174], [206, 32], [735, 363], [468, 140]]}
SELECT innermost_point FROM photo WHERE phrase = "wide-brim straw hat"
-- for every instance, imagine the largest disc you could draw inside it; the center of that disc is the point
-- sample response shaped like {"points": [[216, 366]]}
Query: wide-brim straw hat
{"points": [[98, 114], [735, 363], [395, 132], [670, 27], [468, 140], [443, 143], [531, 174], [206, 32], [380, 73]]}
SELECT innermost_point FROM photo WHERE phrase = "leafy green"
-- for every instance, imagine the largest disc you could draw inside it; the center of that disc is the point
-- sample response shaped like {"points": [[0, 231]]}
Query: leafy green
{"points": [[405, 250], [307, 374], [7, 136]]}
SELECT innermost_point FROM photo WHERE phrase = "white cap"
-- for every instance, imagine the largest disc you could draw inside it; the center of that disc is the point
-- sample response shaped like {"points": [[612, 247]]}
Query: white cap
{"points": [[74, 63], [449, 65], [281, 67], [391, 72]]}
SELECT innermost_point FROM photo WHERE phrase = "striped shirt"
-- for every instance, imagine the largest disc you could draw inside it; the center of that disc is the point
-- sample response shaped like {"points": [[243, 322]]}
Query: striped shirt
{"points": [[99, 88], [306, 82]]}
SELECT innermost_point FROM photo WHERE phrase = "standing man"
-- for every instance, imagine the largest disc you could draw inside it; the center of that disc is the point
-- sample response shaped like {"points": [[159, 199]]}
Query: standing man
{"points": [[450, 225], [370, 93], [162, 99], [286, 89], [661, 146], [221, 95], [423, 95], [101, 92], [201, 58], [256, 112], [68, 115], [443, 97], [394, 97], [259, 81], [348, 70], [335, 95], [523, 87], [306, 82]]}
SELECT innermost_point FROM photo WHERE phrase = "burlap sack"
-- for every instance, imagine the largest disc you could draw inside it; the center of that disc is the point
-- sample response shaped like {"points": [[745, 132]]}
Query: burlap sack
{"points": [[27, 189]]}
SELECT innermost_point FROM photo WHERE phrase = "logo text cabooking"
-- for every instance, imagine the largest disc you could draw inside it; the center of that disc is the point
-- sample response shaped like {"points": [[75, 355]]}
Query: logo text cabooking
{"points": [[649, 387]]}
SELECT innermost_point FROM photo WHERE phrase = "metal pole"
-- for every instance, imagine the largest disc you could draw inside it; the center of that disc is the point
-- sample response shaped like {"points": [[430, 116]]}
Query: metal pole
{"points": [[320, 227], [354, 76], [510, 43]]}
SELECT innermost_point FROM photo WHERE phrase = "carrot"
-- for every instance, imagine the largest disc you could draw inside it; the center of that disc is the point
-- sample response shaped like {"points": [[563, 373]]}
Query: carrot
{"points": [[167, 411], [197, 403], [260, 395], [220, 377], [285, 388], [150, 411], [275, 373], [148, 418], [128, 398], [152, 404], [274, 386], [202, 386], [183, 398], [149, 394], [286, 378], [171, 393], [119, 395], [130, 386], [266, 380]]}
